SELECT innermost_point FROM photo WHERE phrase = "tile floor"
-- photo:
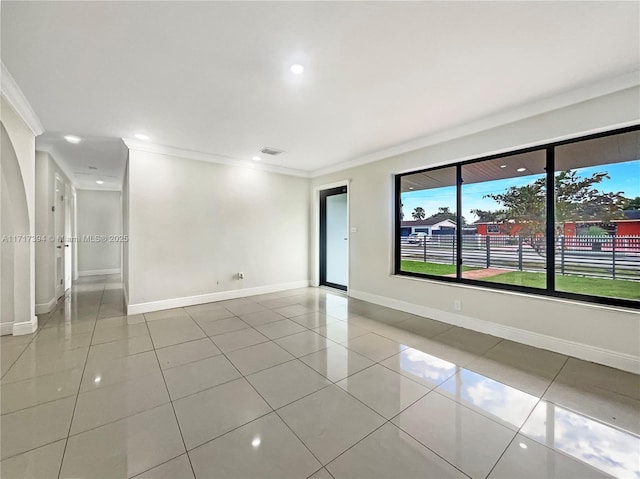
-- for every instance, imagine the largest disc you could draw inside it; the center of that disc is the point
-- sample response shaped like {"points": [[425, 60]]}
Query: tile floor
{"points": [[299, 384]]}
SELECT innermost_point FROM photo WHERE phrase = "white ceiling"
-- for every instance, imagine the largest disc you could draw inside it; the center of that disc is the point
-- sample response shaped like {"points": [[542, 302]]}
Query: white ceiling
{"points": [[93, 159], [214, 77]]}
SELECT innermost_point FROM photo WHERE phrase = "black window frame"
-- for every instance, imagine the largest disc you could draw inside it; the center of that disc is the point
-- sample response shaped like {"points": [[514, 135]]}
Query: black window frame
{"points": [[550, 289]]}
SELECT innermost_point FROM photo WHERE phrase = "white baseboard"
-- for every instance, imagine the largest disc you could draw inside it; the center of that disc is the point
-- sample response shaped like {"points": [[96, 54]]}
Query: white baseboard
{"points": [[45, 308], [626, 362], [211, 297], [26, 327], [98, 272], [6, 328]]}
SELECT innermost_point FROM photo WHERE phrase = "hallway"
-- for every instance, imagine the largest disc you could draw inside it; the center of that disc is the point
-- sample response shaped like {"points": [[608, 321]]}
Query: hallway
{"points": [[302, 383]]}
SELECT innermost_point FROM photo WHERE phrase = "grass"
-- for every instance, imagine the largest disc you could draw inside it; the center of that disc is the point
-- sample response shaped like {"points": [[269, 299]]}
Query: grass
{"points": [[437, 269], [612, 288]]}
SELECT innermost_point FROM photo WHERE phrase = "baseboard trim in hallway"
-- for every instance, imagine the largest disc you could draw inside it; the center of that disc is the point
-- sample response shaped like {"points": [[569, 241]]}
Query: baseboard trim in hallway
{"points": [[626, 362], [138, 308], [98, 272], [6, 328], [44, 308], [25, 327]]}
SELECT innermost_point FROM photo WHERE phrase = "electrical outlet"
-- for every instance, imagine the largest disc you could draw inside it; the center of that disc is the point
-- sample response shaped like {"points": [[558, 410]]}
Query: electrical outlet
{"points": [[240, 275], [457, 305]]}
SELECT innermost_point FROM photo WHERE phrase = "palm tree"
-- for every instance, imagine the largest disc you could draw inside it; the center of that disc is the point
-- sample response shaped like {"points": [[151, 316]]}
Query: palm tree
{"points": [[418, 213]]}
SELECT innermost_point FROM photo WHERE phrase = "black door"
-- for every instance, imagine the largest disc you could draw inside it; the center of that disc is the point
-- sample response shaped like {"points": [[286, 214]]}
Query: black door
{"points": [[334, 242]]}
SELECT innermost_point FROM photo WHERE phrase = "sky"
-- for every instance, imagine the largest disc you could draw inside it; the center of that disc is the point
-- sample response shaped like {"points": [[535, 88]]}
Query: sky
{"points": [[625, 177]]}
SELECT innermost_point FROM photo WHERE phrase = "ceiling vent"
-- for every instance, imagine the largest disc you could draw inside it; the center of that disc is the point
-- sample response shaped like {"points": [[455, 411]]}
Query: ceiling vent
{"points": [[271, 151], [93, 168]]}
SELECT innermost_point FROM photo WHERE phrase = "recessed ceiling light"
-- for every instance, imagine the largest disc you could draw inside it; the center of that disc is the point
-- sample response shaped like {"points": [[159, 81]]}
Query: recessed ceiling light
{"points": [[503, 166], [100, 182], [72, 139], [140, 136], [297, 69], [256, 442], [523, 445], [256, 158], [411, 187], [97, 379], [520, 170]]}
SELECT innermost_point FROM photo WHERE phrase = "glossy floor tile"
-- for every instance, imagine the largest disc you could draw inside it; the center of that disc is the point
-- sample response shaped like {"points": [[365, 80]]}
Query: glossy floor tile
{"points": [[167, 332], [199, 375], [285, 383], [265, 448], [428, 370], [464, 438], [383, 390], [330, 421], [106, 404], [31, 392], [389, 452], [527, 459], [177, 468], [306, 383], [184, 353], [374, 347], [496, 400], [602, 446], [42, 462], [336, 362], [126, 447], [36, 426], [242, 338], [304, 343], [208, 414], [252, 359]]}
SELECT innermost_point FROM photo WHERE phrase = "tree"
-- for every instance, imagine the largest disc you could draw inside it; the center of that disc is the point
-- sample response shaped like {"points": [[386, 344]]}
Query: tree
{"points": [[489, 216], [577, 199], [418, 213], [445, 213], [633, 204]]}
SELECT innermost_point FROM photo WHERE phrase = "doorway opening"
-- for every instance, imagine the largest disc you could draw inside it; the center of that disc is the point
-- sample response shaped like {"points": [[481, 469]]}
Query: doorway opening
{"points": [[334, 238]]}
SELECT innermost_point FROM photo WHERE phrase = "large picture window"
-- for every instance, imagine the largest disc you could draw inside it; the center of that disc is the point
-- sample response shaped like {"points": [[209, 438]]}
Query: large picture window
{"points": [[505, 201], [428, 222], [497, 222]]}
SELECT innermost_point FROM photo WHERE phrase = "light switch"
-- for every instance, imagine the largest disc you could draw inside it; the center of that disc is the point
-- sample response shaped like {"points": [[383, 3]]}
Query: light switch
{"points": [[354, 229]]}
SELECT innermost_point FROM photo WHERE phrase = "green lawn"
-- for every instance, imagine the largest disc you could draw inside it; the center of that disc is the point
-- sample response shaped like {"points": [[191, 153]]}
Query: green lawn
{"points": [[431, 268], [573, 284]]}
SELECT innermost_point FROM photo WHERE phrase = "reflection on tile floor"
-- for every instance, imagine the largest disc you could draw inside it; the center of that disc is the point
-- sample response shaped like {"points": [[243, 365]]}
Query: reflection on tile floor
{"points": [[303, 383]]}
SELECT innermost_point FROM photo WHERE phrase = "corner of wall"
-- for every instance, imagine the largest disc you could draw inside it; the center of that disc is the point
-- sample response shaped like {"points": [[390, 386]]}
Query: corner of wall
{"points": [[26, 327]]}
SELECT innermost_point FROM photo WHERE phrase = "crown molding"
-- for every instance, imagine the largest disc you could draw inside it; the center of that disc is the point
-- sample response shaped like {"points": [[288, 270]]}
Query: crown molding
{"points": [[145, 146], [527, 110], [14, 96]]}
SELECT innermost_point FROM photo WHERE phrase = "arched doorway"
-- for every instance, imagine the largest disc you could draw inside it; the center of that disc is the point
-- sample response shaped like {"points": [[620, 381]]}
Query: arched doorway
{"points": [[15, 289]]}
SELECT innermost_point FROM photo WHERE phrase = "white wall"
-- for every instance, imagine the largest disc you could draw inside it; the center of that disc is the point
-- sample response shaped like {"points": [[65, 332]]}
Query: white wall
{"points": [[607, 335], [7, 260], [99, 213], [125, 232], [46, 171], [194, 225], [20, 148]]}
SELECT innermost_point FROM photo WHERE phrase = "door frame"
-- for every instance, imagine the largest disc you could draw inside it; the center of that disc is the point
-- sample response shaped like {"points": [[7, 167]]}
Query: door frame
{"points": [[69, 208], [316, 229], [59, 214]]}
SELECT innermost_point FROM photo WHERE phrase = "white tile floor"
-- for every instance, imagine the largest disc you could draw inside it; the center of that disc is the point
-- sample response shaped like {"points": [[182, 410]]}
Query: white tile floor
{"points": [[298, 384]]}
